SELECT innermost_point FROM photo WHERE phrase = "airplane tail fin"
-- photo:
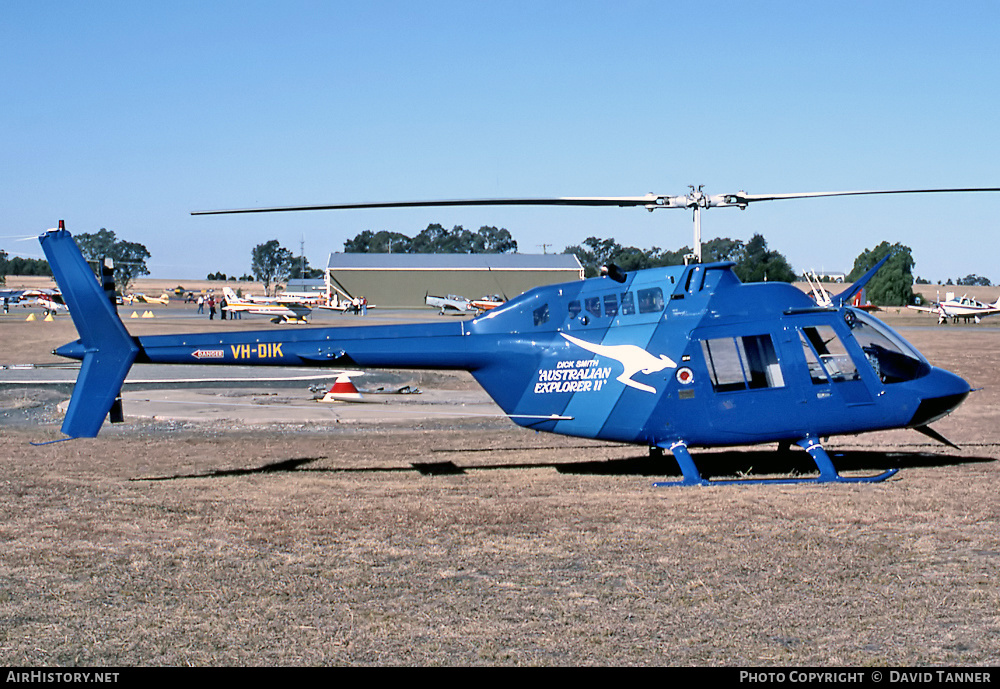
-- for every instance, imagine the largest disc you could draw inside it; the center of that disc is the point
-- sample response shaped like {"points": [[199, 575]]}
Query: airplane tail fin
{"points": [[105, 346], [230, 295]]}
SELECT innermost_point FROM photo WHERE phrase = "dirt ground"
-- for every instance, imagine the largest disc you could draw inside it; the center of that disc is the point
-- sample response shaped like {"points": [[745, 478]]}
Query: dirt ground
{"points": [[475, 543]]}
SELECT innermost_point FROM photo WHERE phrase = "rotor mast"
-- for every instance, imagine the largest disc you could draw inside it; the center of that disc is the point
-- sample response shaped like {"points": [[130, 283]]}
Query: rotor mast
{"points": [[696, 199]]}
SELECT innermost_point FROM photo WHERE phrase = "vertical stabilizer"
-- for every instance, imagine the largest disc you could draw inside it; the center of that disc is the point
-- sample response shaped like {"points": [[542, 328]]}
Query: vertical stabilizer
{"points": [[106, 348]]}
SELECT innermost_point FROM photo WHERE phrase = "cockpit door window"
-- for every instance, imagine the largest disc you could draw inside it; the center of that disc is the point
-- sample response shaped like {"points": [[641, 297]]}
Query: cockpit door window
{"points": [[831, 351], [741, 363]]}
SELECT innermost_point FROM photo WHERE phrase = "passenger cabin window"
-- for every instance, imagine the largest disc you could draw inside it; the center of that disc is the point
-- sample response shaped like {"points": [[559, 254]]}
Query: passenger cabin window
{"points": [[832, 353], [624, 304], [610, 305], [628, 304], [650, 300], [541, 314], [741, 363]]}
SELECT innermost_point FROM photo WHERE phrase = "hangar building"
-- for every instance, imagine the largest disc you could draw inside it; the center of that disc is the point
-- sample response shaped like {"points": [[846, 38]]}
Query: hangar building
{"points": [[395, 280]]}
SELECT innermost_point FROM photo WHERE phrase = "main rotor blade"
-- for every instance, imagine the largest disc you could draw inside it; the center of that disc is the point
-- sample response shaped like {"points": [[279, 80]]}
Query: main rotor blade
{"points": [[649, 199], [740, 198]]}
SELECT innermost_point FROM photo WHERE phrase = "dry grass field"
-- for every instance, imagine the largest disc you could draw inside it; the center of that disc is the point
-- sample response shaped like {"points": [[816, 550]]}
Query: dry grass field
{"points": [[474, 542]]}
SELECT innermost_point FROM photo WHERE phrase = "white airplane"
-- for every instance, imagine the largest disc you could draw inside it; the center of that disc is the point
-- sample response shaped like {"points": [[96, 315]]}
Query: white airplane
{"points": [[280, 310], [345, 305], [49, 299], [453, 302], [311, 298], [286, 308], [965, 307], [450, 302]]}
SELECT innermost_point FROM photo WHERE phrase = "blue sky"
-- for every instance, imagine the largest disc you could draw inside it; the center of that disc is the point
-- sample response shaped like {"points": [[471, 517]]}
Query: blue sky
{"points": [[129, 115]]}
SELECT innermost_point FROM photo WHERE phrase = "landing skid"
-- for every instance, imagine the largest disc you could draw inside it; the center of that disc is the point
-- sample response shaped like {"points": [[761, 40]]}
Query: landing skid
{"points": [[827, 472]]}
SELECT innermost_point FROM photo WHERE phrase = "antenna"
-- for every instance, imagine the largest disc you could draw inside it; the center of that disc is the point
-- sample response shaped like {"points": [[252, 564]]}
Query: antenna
{"points": [[302, 258]]}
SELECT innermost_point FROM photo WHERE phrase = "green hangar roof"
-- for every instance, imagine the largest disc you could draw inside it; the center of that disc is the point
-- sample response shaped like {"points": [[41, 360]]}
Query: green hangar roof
{"points": [[560, 262], [405, 279]]}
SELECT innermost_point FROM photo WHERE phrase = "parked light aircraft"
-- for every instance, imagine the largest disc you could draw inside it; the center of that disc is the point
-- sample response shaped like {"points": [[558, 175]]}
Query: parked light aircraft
{"points": [[285, 308], [488, 302], [281, 310], [449, 303], [130, 299], [963, 307], [51, 300], [11, 296], [461, 305], [671, 358]]}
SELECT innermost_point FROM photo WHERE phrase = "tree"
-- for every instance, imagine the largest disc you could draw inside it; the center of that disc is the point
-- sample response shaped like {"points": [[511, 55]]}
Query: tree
{"points": [[493, 240], [435, 239], [757, 264], [381, 242], [722, 249], [27, 266], [129, 257], [893, 284], [974, 280], [299, 269], [270, 262], [3, 267], [359, 244], [595, 253]]}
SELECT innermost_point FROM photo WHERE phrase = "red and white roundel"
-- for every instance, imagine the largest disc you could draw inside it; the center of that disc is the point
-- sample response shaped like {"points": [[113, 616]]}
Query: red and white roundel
{"points": [[685, 376]]}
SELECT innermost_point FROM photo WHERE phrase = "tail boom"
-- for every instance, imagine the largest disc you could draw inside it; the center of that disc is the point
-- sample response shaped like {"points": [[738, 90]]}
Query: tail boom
{"points": [[437, 346]]}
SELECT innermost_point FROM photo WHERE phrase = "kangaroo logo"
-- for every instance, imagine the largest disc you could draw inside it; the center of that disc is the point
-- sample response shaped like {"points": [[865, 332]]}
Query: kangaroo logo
{"points": [[633, 359]]}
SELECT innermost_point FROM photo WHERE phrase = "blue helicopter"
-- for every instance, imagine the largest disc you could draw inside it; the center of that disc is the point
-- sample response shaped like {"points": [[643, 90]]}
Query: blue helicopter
{"points": [[669, 358]]}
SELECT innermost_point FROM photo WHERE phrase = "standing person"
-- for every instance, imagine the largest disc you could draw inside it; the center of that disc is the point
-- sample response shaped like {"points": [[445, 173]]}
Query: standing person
{"points": [[201, 304], [364, 306], [222, 308], [211, 308]]}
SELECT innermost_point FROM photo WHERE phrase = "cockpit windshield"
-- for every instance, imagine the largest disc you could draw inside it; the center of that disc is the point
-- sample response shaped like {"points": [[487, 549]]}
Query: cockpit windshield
{"points": [[893, 358]]}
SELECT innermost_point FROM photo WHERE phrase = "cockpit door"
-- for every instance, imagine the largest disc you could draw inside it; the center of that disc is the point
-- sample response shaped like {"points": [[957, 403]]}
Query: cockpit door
{"points": [[748, 393], [831, 368]]}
